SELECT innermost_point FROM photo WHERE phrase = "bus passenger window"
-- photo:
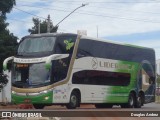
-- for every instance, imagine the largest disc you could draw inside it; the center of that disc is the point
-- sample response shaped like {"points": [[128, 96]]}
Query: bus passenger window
{"points": [[59, 69]]}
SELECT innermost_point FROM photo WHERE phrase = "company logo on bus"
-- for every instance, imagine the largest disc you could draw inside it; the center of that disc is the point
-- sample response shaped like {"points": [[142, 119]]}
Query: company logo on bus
{"points": [[94, 63], [110, 64]]}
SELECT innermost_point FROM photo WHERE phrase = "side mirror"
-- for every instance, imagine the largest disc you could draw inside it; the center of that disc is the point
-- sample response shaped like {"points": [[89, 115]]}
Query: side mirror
{"points": [[6, 64], [9, 65], [54, 57]]}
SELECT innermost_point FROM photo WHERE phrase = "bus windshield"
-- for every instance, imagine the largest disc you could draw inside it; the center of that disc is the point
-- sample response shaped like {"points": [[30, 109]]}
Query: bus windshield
{"points": [[27, 75], [36, 45]]}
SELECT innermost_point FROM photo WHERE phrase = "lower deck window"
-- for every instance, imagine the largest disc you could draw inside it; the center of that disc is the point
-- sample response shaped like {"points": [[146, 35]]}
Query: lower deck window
{"points": [[94, 77]]}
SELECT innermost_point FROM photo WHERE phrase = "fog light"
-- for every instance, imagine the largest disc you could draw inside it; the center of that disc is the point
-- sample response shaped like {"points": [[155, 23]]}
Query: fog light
{"points": [[46, 98]]}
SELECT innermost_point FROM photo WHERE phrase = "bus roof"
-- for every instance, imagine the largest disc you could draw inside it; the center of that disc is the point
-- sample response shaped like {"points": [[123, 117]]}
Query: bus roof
{"points": [[48, 34], [118, 43], [86, 37]]}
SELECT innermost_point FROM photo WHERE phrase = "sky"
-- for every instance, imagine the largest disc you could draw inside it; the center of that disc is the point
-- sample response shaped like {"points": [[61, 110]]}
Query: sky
{"points": [[127, 21]]}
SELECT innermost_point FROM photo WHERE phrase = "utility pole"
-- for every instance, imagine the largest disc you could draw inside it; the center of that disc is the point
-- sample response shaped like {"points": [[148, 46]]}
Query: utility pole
{"points": [[97, 31], [48, 24], [39, 26]]}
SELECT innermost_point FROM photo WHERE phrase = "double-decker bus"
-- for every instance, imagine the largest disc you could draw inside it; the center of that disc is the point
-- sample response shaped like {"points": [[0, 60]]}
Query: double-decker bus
{"points": [[70, 69]]}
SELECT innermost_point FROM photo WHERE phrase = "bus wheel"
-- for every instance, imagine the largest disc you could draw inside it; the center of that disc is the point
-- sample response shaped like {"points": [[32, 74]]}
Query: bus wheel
{"points": [[138, 102], [73, 103], [131, 101], [38, 106]]}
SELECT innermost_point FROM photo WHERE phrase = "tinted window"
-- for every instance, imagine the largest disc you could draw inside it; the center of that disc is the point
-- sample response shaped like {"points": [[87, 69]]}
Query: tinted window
{"points": [[100, 49], [93, 77], [36, 45], [114, 51], [59, 69], [65, 44]]}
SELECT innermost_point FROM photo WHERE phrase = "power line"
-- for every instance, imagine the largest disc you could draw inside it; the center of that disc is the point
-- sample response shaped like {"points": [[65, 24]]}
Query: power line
{"points": [[29, 13], [107, 1], [126, 10], [94, 7], [141, 20], [80, 2], [44, 8], [32, 1], [17, 20], [23, 10], [109, 16], [132, 19]]}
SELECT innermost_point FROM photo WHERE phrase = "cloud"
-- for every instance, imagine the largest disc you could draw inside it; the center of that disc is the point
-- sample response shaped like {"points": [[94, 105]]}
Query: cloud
{"points": [[119, 19], [112, 19]]}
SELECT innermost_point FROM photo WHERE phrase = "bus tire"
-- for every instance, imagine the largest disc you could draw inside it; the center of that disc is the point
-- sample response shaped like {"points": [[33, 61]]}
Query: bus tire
{"points": [[38, 106], [130, 103], [138, 102], [74, 101]]}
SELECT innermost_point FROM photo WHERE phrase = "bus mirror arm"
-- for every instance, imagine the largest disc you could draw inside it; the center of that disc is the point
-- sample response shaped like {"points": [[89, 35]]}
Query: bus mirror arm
{"points": [[54, 57], [5, 63]]}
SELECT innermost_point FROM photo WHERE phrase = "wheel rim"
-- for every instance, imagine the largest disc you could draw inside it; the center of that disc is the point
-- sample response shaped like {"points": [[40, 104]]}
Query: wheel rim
{"points": [[131, 102], [74, 100], [139, 100]]}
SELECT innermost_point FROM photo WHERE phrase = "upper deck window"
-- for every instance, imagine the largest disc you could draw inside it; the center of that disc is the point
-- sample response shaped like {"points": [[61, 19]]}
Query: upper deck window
{"points": [[37, 45]]}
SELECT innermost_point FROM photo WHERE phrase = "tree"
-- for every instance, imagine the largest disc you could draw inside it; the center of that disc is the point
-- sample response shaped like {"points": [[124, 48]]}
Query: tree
{"points": [[6, 6], [43, 27], [8, 41], [3, 81]]}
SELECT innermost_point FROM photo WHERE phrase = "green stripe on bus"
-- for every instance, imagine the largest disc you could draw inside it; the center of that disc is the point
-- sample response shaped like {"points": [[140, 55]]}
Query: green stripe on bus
{"points": [[133, 69], [42, 98]]}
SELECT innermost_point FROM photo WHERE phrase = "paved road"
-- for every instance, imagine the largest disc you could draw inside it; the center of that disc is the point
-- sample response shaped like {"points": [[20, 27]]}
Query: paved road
{"points": [[150, 108], [146, 107]]}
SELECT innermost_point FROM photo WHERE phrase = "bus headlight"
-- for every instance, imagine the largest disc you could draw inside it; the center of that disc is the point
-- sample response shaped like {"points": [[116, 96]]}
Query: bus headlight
{"points": [[13, 92], [46, 98]]}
